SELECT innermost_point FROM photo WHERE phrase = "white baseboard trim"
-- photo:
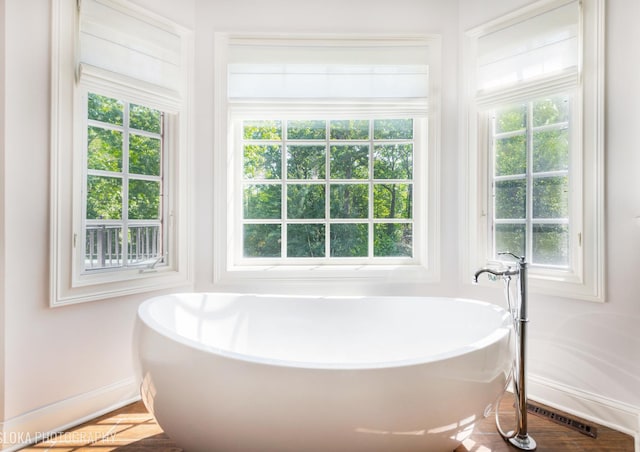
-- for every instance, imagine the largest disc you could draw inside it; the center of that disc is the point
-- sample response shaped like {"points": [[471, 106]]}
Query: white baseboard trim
{"points": [[611, 413], [57, 417]]}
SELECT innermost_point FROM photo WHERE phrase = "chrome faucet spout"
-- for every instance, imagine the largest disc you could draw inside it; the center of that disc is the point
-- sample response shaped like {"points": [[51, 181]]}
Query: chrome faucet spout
{"points": [[495, 273]]}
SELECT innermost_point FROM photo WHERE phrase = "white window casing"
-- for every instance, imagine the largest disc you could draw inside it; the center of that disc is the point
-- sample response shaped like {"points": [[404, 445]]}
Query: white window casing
{"points": [[324, 77], [547, 48], [115, 49]]}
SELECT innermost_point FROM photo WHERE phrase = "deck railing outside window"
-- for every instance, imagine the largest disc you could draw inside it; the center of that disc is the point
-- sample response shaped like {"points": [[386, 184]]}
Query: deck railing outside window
{"points": [[104, 244]]}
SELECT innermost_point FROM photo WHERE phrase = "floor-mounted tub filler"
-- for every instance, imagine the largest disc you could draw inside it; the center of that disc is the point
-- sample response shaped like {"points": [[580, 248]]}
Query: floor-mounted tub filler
{"points": [[233, 372], [518, 437]]}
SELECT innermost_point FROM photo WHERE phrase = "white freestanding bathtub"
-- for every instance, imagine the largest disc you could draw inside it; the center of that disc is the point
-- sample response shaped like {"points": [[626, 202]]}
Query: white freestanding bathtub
{"points": [[233, 372]]}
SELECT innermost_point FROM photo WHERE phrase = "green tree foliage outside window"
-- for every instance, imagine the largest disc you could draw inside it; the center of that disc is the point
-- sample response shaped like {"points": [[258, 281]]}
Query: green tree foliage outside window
{"points": [[531, 144], [347, 186]]}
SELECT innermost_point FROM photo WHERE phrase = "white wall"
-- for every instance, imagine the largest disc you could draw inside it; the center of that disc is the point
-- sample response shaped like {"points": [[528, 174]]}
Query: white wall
{"points": [[584, 356], [58, 365]]}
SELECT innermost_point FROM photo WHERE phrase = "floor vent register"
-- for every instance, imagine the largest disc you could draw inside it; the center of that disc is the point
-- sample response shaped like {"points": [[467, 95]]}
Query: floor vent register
{"points": [[563, 419]]}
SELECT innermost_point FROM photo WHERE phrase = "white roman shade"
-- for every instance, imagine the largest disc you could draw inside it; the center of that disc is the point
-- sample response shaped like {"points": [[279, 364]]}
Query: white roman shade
{"points": [[129, 45], [544, 44], [328, 69]]}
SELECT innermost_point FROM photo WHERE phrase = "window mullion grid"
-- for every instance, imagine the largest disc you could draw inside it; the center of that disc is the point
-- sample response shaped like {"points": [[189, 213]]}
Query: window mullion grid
{"points": [[327, 181]]}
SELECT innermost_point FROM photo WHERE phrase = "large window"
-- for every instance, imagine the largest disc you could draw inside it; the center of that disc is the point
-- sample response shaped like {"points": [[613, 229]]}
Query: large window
{"points": [[535, 157], [326, 158], [120, 141], [327, 188]]}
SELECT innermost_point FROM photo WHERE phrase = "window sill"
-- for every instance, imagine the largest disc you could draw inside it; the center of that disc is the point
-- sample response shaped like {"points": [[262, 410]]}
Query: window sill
{"points": [[117, 284]]}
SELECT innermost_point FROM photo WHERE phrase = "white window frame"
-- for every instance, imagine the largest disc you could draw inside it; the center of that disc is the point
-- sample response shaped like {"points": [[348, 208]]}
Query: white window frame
{"points": [[229, 268], [419, 190], [575, 184], [69, 283], [586, 278], [124, 223]]}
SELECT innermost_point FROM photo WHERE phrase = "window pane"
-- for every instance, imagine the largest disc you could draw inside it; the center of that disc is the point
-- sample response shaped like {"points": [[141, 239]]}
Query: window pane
{"points": [[124, 182], [349, 130], [306, 240], [144, 243], [511, 156], [262, 130], [105, 109], [262, 201], [104, 149], [550, 111], [393, 161], [262, 240], [392, 200], [144, 118], [392, 239], [306, 162], [262, 162], [349, 162], [349, 200], [531, 143], [333, 158], [393, 129], [551, 150], [307, 130], [144, 155], [349, 240], [551, 197], [511, 198], [305, 201], [104, 198], [103, 246], [511, 119], [510, 238], [144, 200], [550, 244]]}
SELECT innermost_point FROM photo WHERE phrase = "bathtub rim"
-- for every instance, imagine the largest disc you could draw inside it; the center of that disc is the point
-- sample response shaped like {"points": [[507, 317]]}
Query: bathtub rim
{"points": [[143, 315]]}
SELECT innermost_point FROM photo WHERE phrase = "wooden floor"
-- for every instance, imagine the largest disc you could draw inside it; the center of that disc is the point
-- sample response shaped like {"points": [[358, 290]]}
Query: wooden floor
{"points": [[133, 429]]}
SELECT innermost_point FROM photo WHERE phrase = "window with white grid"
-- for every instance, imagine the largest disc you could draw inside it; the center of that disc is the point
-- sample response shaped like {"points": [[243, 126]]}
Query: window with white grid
{"points": [[120, 141], [123, 200], [325, 189], [535, 155], [328, 163]]}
